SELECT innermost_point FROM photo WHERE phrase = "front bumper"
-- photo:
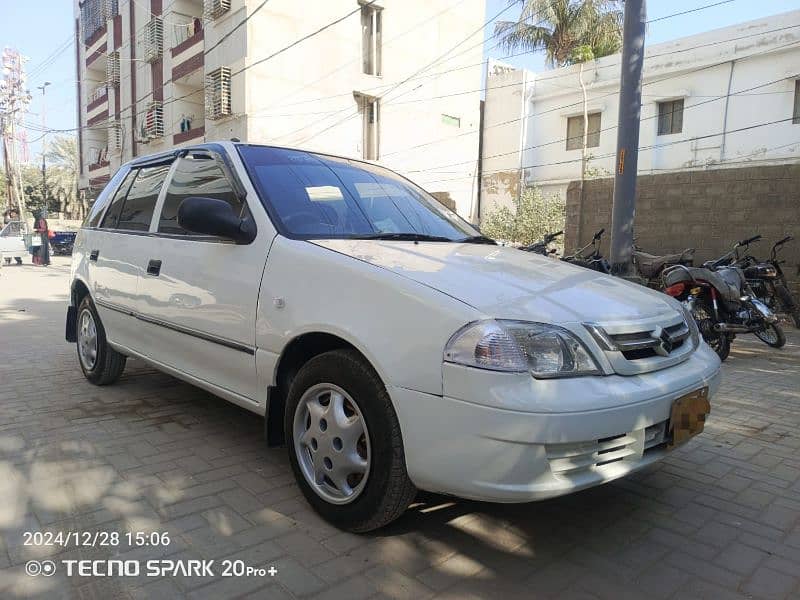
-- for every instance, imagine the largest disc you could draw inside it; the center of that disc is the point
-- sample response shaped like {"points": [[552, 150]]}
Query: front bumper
{"points": [[510, 438]]}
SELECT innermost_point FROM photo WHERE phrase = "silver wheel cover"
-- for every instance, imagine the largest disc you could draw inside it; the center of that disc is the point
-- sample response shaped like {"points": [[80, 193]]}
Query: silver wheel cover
{"points": [[87, 339], [331, 443]]}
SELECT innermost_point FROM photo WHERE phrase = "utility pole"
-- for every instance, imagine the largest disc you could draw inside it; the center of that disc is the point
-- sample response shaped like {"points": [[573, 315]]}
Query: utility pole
{"points": [[627, 161], [43, 87], [14, 100]]}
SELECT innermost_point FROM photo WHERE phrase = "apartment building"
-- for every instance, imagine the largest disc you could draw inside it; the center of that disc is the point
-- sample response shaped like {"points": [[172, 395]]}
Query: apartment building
{"points": [[396, 81], [726, 98]]}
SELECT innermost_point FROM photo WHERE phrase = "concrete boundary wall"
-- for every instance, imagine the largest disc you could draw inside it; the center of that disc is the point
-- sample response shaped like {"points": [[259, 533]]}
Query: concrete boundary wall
{"points": [[708, 210]]}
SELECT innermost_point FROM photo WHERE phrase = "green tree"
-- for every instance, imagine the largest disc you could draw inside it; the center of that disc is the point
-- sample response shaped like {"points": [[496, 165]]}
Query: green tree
{"points": [[534, 216], [560, 27], [569, 32], [62, 174]]}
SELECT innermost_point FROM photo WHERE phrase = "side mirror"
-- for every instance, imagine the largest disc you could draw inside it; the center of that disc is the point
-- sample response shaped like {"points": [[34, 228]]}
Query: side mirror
{"points": [[210, 216]]}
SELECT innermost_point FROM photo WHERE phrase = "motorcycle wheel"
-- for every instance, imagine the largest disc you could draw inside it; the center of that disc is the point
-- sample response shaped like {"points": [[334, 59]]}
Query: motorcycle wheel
{"points": [[772, 335], [719, 342], [788, 303]]}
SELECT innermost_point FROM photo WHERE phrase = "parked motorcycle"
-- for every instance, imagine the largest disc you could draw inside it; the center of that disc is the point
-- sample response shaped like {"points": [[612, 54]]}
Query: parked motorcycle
{"points": [[650, 266], [768, 282], [593, 260], [541, 247], [722, 302]]}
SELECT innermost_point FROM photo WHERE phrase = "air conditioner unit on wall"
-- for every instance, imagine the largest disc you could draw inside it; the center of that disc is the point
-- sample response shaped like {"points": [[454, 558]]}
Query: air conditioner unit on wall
{"points": [[218, 93], [214, 9]]}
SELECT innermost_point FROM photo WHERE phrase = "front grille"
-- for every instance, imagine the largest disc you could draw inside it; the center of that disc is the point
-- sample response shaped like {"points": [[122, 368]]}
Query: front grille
{"points": [[568, 459], [646, 345]]}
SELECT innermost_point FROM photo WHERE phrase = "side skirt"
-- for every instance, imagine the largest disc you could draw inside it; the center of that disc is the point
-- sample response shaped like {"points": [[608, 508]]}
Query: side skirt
{"points": [[228, 395]]}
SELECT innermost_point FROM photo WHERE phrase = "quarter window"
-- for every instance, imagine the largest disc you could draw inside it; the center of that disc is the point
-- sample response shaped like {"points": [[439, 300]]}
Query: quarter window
{"points": [[93, 219], [670, 117], [575, 132], [195, 175], [140, 202]]}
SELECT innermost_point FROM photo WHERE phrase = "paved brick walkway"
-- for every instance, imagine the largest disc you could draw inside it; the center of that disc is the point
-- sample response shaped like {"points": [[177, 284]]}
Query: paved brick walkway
{"points": [[717, 519]]}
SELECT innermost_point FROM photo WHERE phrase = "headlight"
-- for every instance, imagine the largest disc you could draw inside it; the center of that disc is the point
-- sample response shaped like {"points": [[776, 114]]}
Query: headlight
{"points": [[516, 346]]}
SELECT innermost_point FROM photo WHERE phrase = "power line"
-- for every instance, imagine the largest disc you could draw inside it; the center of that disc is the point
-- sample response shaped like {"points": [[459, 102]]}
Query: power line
{"points": [[692, 10], [612, 154], [580, 102], [612, 127]]}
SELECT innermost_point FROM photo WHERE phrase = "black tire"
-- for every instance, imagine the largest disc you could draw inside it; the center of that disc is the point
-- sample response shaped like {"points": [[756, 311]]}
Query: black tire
{"points": [[721, 344], [109, 364], [772, 335], [388, 490], [788, 304]]}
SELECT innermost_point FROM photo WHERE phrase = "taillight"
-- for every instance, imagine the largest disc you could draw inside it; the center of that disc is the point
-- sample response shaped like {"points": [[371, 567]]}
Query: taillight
{"points": [[675, 290]]}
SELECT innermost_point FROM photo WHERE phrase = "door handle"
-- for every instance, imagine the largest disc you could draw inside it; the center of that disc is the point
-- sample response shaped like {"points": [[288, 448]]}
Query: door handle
{"points": [[93, 255], [154, 267]]}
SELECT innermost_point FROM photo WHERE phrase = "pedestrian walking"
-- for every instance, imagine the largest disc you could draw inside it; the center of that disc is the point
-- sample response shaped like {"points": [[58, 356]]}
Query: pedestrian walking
{"points": [[41, 256]]}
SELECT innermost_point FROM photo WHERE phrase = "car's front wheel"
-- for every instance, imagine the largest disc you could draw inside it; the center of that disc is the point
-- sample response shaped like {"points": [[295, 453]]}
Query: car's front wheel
{"points": [[344, 443], [100, 363]]}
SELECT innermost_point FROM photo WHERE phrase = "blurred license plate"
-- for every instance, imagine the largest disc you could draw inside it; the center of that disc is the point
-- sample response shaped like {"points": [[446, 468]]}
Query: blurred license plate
{"points": [[688, 416]]}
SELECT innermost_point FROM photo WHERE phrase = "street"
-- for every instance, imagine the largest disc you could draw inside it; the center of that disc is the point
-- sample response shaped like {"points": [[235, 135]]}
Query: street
{"points": [[719, 518]]}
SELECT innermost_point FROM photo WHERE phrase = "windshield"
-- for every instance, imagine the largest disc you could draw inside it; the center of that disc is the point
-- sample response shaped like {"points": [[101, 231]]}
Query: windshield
{"points": [[318, 196]]}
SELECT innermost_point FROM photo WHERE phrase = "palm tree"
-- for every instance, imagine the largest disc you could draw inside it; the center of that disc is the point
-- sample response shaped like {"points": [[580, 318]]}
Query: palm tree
{"points": [[62, 156], [569, 32]]}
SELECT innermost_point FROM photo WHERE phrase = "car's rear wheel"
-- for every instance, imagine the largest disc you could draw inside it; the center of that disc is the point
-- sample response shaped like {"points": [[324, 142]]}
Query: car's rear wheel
{"points": [[100, 363], [344, 443]]}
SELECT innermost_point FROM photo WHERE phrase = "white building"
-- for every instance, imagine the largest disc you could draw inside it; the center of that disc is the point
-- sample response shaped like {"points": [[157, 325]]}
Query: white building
{"points": [[725, 98], [377, 83]]}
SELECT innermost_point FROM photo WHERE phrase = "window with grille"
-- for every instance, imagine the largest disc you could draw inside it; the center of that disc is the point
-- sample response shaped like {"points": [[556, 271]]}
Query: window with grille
{"points": [[218, 93], [115, 136], [214, 9], [153, 39], [93, 17], [575, 132], [112, 68], [796, 113], [371, 32], [670, 117], [153, 122]]}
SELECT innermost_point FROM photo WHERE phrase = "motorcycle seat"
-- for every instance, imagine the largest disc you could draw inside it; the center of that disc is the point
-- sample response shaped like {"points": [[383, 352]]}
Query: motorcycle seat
{"points": [[728, 291], [650, 264]]}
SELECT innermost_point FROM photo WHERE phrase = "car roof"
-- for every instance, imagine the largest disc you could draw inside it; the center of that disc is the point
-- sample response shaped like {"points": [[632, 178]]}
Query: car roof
{"points": [[229, 145]]}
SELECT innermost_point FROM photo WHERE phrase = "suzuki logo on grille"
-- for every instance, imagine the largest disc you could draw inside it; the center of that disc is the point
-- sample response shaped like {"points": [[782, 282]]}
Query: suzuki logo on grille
{"points": [[665, 344]]}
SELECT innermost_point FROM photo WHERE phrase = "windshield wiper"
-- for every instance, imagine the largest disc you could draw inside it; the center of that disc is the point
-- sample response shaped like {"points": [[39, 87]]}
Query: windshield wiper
{"points": [[405, 237], [477, 239]]}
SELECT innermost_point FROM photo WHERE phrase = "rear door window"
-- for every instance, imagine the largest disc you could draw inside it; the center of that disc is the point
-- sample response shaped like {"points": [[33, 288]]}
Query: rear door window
{"points": [[195, 175], [111, 216], [140, 201]]}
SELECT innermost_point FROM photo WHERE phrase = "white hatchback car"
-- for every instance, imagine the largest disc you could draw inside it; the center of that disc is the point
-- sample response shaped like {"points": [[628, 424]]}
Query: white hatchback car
{"points": [[387, 343]]}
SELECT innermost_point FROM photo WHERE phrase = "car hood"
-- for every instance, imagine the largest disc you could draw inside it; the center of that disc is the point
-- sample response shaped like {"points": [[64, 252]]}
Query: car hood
{"points": [[507, 283]]}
